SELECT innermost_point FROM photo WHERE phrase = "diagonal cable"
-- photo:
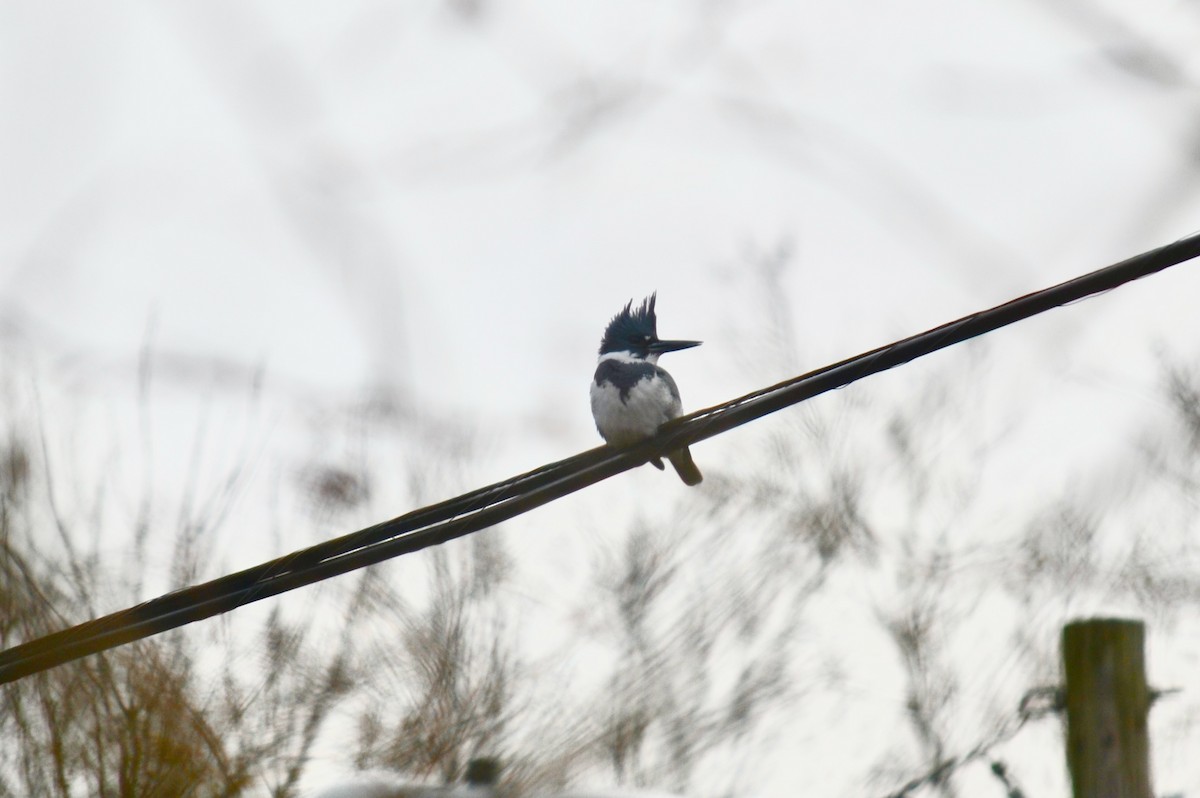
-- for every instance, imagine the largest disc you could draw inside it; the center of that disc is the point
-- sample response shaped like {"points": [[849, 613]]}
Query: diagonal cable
{"points": [[501, 501]]}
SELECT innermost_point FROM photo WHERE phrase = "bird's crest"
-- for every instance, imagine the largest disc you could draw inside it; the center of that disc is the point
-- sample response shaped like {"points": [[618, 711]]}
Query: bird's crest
{"points": [[631, 329]]}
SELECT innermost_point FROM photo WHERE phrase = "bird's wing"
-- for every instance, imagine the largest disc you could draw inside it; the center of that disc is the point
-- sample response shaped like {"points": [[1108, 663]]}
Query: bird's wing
{"points": [[677, 404]]}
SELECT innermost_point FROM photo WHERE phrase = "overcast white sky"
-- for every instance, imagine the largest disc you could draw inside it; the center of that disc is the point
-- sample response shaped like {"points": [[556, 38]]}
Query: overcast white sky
{"points": [[442, 203]]}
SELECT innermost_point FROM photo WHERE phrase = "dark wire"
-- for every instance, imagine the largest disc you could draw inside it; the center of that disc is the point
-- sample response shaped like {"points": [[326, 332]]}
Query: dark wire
{"points": [[493, 504]]}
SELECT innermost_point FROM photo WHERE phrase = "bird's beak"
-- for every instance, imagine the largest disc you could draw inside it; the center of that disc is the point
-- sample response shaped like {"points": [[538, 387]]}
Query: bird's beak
{"points": [[658, 347]]}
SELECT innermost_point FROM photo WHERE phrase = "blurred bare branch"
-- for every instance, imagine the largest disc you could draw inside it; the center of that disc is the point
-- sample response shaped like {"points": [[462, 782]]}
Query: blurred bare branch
{"points": [[447, 685], [144, 720]]}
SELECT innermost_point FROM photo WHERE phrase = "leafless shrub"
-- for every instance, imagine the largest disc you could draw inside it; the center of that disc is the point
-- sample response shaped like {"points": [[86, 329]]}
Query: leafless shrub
{"points": [[447, 679], [145, 719]]}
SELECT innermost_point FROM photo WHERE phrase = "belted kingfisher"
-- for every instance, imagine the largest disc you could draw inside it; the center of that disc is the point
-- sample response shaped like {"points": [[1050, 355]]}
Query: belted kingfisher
{"points": [[631, 395]]}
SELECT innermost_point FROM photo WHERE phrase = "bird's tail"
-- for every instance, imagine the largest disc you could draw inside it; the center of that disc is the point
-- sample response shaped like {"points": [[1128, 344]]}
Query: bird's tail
{"points": [[685, 466]]}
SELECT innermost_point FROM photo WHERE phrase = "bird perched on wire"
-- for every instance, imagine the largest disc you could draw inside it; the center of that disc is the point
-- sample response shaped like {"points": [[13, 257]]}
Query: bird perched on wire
{"points": [[632, 396]]}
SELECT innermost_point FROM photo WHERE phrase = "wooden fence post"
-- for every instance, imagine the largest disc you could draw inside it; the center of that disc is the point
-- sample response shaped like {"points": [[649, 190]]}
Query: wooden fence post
{"points": [[1107, 700]]}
